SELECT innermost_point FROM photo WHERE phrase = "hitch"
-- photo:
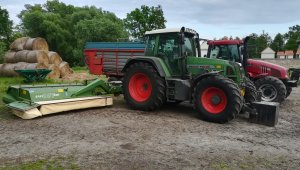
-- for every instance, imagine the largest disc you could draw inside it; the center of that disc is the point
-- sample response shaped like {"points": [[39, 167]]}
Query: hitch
{"points": [[264, 113]]}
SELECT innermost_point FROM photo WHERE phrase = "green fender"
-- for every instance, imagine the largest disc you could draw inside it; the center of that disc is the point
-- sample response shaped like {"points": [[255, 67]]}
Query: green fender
{"points": [[157, 63]]}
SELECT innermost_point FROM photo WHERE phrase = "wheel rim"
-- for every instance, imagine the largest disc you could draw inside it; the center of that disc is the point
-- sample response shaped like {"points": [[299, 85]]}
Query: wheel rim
{"points": [[140, 87], [214, 100], [269, 92]]}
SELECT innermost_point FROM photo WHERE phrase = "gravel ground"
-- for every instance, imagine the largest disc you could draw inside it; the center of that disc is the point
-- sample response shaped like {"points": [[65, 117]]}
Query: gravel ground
{"points": [[171, 138]]}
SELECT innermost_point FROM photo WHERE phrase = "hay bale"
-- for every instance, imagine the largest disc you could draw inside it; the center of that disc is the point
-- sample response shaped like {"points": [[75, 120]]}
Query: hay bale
{"points": [[34, 66], [54, 58], [8, 70], [65, 69], [37, 57], [21, 56], [9, 57], [36, 44], [55, 73], [18, 44]]}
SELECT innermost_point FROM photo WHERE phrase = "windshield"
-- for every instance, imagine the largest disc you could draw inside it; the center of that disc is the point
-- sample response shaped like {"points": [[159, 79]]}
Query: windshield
{"points": [[225, 52]]}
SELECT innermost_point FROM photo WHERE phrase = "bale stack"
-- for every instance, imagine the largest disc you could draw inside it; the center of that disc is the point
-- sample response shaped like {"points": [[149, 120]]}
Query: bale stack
{"points": [[33, 53]]}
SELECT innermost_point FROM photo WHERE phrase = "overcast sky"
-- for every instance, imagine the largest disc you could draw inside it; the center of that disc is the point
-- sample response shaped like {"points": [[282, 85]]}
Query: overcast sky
{"points": [[210, 18]]}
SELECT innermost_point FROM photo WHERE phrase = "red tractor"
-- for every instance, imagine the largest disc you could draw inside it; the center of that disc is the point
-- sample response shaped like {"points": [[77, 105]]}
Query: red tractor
{"points": [[271, 79]]}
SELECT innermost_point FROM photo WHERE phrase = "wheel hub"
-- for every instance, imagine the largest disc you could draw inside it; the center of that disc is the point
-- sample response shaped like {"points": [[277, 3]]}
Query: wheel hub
{"points": [[269, 92], [215, 99]]}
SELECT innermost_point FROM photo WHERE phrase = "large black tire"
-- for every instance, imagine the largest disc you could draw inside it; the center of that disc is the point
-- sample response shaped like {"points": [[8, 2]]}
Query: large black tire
{"points": [[272, 89], [250, 91], [226, 104], [288, 91], [143, 88]]}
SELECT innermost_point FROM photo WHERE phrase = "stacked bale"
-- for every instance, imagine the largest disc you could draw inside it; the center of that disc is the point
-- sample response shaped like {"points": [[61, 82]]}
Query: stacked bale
{"points": [[33, 53], [65, 69]]}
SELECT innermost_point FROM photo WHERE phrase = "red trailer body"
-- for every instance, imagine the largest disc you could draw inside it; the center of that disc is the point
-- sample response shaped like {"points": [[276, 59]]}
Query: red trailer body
{"points": [[109, 58]]}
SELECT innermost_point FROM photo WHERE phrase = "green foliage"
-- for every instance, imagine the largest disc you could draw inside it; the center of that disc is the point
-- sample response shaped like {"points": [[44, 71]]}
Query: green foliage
{"points": [[258, 43], [292, 36], [144, 19], [3, 49], [67, 28], [5, 27], [278, 43]]}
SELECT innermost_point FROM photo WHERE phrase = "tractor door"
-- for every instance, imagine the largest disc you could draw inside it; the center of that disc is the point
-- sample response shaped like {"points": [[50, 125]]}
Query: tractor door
{"points": [[166, 47]]}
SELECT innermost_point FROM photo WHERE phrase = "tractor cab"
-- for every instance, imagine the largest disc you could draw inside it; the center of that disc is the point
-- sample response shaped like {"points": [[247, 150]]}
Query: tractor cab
{"points": [[172, 46], [179, 50]]}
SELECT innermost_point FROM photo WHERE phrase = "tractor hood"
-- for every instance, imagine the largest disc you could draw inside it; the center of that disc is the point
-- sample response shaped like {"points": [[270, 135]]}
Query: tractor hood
{"points": [[270, 68]]}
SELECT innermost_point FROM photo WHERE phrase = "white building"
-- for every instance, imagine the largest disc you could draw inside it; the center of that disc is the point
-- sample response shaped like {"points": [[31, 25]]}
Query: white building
{"points": [[204, 49], [289, 54], [268, 53], [280, 55]]}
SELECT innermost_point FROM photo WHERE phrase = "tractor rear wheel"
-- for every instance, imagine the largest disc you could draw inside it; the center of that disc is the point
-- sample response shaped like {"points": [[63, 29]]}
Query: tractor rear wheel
{"points": [[250, 91], [143, 88], [217, 99], [288, 91], [272, 89]]}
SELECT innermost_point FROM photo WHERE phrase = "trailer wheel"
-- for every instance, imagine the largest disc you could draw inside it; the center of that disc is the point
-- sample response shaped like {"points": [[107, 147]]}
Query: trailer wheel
{"points": [[250, 91], [272, 89], [143, 88], [288, 91], [217, 99]]}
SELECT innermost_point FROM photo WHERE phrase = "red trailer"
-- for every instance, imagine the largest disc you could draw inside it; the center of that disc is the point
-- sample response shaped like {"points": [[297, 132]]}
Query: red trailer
{"points": [[108, 58]]}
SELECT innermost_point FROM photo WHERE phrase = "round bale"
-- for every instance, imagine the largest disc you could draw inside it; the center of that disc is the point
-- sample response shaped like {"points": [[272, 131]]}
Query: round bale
{"points": [[36, 44], [9, 57], [18, 44], [38, 57], [55, 73], [65, 69], [54, 58]]}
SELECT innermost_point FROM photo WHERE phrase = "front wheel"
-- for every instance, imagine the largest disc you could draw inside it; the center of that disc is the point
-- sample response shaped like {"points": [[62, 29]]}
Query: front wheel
{"points": [[272, 89], [143, 88], [217, 99]]}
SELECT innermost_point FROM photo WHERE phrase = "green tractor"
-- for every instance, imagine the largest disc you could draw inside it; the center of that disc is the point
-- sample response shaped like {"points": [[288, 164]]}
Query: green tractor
{"points": [[171, 71]]}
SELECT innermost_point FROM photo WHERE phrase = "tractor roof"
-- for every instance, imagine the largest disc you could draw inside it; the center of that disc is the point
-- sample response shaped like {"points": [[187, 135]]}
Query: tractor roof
{"points": [[170, 30], [225, 42]]}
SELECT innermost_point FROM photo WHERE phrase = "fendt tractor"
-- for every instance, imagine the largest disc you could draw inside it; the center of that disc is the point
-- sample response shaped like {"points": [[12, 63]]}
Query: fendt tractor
{"points": [[272, 80], [171, 71]]}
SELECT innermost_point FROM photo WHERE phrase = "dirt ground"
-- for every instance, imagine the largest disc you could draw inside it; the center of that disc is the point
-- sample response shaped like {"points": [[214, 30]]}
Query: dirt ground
{"points": [[171, 138]]}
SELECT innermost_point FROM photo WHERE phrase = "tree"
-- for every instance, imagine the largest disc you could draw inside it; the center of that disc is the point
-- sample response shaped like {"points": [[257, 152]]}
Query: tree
{"points": [[67, 28], [278, 43], [292, 36], [258, 43], [144, 19], [5, 27]]}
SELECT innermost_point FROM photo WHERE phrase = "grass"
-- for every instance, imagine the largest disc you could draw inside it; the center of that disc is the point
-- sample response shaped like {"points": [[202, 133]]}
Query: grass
{"points": [[59, 163], [79, 69], [5, 82]]}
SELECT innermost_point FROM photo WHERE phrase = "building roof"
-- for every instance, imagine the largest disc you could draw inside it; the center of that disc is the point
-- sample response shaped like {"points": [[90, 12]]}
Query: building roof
{"points": [[289, 52], [280, 53], [268, 50]]}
